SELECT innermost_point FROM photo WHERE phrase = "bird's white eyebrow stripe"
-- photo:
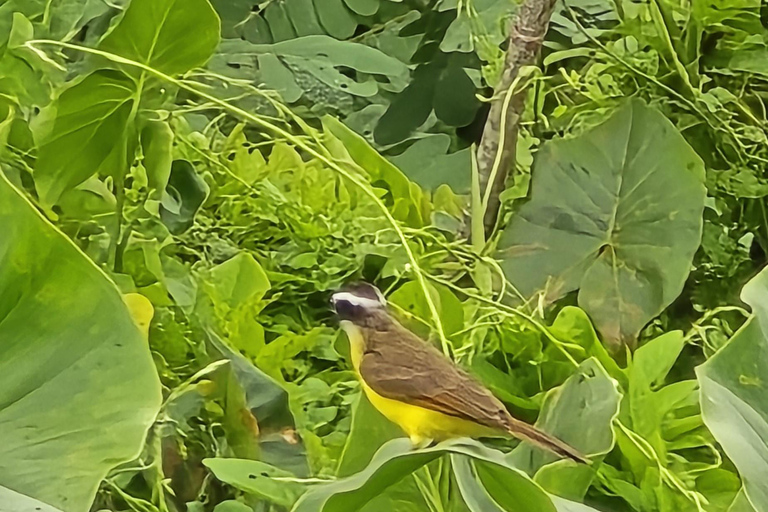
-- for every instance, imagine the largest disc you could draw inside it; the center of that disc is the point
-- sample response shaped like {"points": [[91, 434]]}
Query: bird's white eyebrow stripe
{"points": [[356, 300]]}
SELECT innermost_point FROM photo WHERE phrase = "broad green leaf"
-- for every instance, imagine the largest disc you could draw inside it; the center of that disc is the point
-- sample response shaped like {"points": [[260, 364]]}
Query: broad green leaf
{"points": [[454, 100], [410, 108], [280, 25], [172, 36], [232, 506], [573, 325], [741, 503], [90, 117], [239, 280], [78, 388], [279, 77], [615, 213], [734, 401], [304, 17], [369, 431], [11, 501], [397, 459], [257, 478], [473, 494], [428, 163], [268, 402], [580, 412], [184, 196], [410, 298]]}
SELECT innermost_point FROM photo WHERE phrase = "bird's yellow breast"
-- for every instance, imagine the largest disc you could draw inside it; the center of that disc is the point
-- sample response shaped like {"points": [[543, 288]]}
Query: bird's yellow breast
{"points": [[419, 423]]}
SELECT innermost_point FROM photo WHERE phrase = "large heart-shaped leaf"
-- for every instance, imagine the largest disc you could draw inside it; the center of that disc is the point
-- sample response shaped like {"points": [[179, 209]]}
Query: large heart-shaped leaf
{"points": [[734, 402], [615, 213], [78, 387]]}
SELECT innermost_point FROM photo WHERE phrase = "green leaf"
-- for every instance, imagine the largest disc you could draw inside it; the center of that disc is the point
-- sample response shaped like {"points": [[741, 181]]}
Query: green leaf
{"points": [[363, 7], [369, 431], [336, 19], [239, 280], [268, 402], [257, 478], [11, 501], [734, 401], [410, 298], [90, 116], [408, 202], [158, 33], [612, 218], [409, 109], [232, 506], [279, 77], [428, 163], [454, 100], [473, 494], [397, 460], [78, 388], [186, 192], [580, 412], [325, 58], [487, 19], [157, 143]]}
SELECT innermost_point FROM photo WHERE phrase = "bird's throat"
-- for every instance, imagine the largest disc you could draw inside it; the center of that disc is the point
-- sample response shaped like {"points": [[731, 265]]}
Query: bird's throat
{"points": [[356, 342]]}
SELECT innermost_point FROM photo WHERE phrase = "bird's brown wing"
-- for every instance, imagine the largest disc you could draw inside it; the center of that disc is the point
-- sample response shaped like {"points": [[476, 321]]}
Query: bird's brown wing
{"points": [[398, 365]]}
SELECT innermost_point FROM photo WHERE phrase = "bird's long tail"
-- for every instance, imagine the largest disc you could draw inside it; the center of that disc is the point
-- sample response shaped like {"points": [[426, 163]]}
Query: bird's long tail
{"points": [[541, 439]]}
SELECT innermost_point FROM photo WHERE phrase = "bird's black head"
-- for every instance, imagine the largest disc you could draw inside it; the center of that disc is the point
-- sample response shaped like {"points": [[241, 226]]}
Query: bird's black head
{"points": [[357, 301]]}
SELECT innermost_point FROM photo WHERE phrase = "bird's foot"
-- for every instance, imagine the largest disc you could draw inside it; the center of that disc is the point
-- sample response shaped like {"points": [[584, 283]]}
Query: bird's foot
{"points": [[420, 442]]}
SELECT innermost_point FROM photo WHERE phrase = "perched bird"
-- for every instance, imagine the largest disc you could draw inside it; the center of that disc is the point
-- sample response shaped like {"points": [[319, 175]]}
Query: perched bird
{"points": [[418, 388]]}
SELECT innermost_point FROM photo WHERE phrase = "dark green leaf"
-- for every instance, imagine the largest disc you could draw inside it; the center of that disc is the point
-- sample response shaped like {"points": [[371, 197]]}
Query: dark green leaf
{"points": [[605, 212], [185, 194], [428, 163]]}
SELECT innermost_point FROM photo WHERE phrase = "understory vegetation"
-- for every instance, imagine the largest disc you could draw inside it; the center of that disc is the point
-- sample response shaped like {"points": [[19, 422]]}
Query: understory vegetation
{"points": [[185, 182]]}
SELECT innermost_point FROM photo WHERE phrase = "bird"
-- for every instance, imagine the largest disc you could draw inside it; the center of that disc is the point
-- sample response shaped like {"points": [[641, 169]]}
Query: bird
{"points": [[417, 387]]}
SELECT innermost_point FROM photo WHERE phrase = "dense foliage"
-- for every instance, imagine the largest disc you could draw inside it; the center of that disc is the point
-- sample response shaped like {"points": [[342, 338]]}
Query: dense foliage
{"points": [[185, 183]]}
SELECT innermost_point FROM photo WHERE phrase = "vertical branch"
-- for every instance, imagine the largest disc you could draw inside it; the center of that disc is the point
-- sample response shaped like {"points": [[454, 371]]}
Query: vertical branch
{"points": [[496, 152]]}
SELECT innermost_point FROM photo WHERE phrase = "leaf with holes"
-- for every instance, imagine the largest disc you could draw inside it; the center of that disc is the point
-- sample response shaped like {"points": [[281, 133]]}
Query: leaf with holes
{"points": [[325, 58]]}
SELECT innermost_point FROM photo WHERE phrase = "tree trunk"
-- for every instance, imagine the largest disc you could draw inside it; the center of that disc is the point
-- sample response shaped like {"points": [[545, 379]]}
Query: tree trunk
{"points": [[526, 34]]}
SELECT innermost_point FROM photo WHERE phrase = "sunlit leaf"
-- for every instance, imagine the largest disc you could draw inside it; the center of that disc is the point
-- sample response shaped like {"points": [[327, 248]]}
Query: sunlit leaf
{"points": [[90, 117], [733, 397], [157, 33], [78, 388]]}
